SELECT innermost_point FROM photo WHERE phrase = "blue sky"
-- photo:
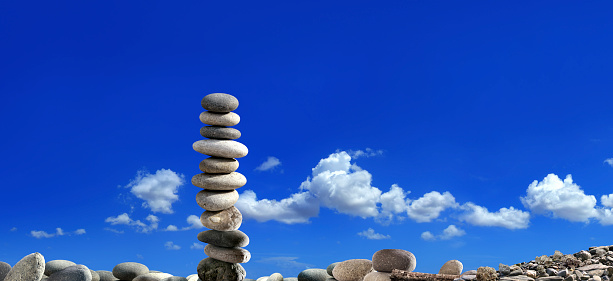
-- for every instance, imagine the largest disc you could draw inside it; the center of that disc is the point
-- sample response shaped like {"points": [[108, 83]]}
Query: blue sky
{"points": [[480, 131]]}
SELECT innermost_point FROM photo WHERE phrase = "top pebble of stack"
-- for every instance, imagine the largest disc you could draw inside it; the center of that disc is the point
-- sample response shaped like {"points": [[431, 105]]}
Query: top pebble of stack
{"points": [[219, 102]]}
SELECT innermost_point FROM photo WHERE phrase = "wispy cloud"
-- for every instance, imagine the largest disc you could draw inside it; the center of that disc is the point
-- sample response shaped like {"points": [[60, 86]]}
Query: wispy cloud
{"points": [[192, 220], [609, 161], [171, 246], [269, 164], [370, 234], [448, 233], [113, 230], [14, 229], [159, 190], [196, 246], [58, 232], [285, 262], [368, 152], [428, 236], [124, 219]]}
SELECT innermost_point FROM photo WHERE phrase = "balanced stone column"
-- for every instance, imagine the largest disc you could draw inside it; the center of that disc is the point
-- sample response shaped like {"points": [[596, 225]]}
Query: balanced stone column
{"points": [[219, 182]]}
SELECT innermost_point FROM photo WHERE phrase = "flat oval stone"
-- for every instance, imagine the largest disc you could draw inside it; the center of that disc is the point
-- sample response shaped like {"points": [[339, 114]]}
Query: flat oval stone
{"points": [[152, 276], [228, 239], [452, 267], [313, 274], [219, 102], [129, 270], [263, 278], [221, 148], [229, 181], [106, 275], [211, 269], [72, 273], [29, 268], [219, 119], [352, 270], [57, 265], [220, 132], [231, 255], [216, 200], [95, 276], [217, 165], [4, 269], [224, 220], [331, 267], [275, 277], [175, 278], [378, 276], [193, 277], [387, 260]]}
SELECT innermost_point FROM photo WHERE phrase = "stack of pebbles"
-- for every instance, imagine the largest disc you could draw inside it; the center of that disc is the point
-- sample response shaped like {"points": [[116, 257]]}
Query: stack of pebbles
{"points": [[219, 182]]}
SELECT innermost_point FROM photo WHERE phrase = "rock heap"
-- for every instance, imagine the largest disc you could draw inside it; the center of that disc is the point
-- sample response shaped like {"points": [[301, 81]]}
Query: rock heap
{"points": [[219, 182]]}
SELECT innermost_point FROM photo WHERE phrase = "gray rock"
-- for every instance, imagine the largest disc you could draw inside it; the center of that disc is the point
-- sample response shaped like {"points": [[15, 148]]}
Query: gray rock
{"points": [[387, 260], [562, 273], [331, 267], [452, 267], [352, 270], [210, 269], [220, 132], [516, 278], [106, 275], [486, 273], [219, 102], [152, 276], [551, 272], [229, 181], [57, 265], [550, 278], [290, 279], [72, 273], [29, 268], [217, 165], [216, 200], [593, 267], [175, 278], [4, 269], [313, 274], [516, 272], [221, 148], [378, 276], [224, 220], [228, 239], [219, 119], [583, 255], [504, 269], [129, 270], [275, 277], [95, 276], [470, 272], [468, 277], [231, 255]]}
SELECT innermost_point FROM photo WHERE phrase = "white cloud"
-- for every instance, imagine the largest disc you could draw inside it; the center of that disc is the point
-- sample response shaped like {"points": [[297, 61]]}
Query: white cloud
{"points": [[427, 235], [296, 209], [14, 229], [607, 200], [605, 216], [564, 199], [140, 256], [392, 202], [269, 164], [507, 218], [171, 246], [58, 232], [452, 231], [609, 161], [194, 222], [370, 234], [196, 246], [41, 234], [113, 230], [158, 190], [171, 228], [368, 152], [140, 226], [285, 262], [430, 206], [79, 231]]}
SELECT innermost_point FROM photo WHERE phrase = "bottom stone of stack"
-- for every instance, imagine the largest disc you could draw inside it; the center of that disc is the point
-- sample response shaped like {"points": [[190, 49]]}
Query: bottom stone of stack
{"points": [[211, 269], [231, 255]]}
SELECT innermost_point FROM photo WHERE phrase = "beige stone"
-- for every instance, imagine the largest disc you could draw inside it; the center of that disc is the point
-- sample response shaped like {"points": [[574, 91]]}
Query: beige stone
{"points": [[231, 255], [224, 220], [217, 165], [378, 276], [216, 200], [352, 270], [219, 119], [229, 181], [221, 148], [452, 267]]}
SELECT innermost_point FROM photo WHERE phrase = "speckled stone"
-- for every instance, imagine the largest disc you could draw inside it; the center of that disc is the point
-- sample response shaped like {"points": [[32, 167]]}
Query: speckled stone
{"points": [[4, 269], [217, 165], [228, 239], [152, 276], [224, 220], [313, 274], [378, 276], [216, 200], [229, 181], [129, 270], [387, 260], [210, 269], [275, 277], [231, 255], [29, 268], [175, 278], [486, 273], [72, 273], [220, 132], [95, 276], [221, 148], [219, 119], [106, 275], [331, 267], [219, 102], [352, 270], [452, 267], [57, 265]]}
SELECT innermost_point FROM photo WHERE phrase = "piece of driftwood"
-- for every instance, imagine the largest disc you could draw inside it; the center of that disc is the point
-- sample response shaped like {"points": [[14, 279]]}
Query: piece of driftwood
{"points": [[401, 275]]}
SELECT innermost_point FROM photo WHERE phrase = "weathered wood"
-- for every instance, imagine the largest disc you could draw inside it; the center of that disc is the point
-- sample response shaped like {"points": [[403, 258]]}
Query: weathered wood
{"points": [[401, 275]]}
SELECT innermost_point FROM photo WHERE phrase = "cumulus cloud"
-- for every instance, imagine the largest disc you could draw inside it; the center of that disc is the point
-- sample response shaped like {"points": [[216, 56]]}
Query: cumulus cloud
{"points": [[196, 246], [370, 234], [269, 164], [158, 190], [296, 209], [58, 232], [80, 231], [140, 226], [428, 236], [448, 233], [172, 228], [563, 199], [430, 206], [607, 200], [605, 216], [171, 246], [609, 161], [392, 202], [508, 218]]}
